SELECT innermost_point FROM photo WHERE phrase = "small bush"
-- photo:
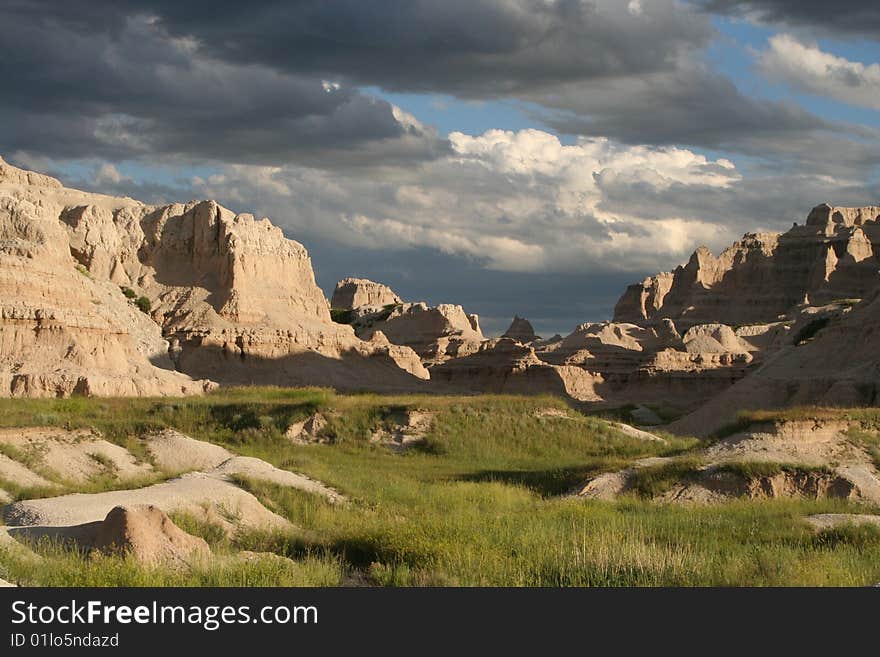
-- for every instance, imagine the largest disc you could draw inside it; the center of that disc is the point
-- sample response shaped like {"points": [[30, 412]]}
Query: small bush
{"points": [[128, 292], [341, 316], [143, 304]]}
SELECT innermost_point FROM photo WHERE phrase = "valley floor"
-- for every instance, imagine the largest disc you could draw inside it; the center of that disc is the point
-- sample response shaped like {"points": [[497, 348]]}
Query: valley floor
{"points": [[469, 491]]}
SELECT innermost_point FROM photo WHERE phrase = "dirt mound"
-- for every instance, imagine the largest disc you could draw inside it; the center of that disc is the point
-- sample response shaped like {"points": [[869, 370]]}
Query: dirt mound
{"points": [[404, 429], [809, 442], [632, 432], [610, 485], [807, 459], [823, 521], [252, 468], [553, 413], [309, 431], [719, 483], [74, 456], [174, 452], [713, 338], [149, 535], [208, 498], [14, 472]]}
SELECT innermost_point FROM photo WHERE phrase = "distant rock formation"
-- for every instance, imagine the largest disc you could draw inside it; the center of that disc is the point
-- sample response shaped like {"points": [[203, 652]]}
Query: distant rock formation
{"points": [[109, 296], [521, 330], [351, 293], [762, 277], [830, 358], [435, 333]]}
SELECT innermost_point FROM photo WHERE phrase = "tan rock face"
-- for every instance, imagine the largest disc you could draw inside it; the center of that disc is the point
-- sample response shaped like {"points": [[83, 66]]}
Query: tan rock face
{"points": [[435, 333], [61, 329], [231, 300], [351, 293], [147, 533], [837, 364], [765, 275]]}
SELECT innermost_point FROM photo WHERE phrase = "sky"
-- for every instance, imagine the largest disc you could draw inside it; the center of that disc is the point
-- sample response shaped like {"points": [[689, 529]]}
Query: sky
{"points": [[527, 157]]}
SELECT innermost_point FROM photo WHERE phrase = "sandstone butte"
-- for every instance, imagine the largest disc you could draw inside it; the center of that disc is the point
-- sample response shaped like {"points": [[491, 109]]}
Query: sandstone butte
{"points": [[110, 296], [231, 300]]}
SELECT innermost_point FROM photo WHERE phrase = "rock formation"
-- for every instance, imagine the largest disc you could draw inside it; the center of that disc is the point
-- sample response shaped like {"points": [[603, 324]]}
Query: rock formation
{"points": [[230, 299], [830, 358], [521, 330], [147, 534], [797, 458], [435, 333], [109, 296], [351, 293], [62, 329], [765, 275]]}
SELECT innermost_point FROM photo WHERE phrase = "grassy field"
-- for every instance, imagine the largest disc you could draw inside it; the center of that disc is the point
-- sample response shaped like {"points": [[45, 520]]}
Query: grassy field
{"points": [[482, 502]]}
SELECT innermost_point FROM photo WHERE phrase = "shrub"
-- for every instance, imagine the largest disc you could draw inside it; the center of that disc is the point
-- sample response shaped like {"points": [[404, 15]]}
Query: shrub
{"points": [[341, 316], [128, 292], [143, 304]]}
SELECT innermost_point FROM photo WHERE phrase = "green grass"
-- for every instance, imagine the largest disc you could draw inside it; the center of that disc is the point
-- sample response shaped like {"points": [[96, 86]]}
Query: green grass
{"points": [[759, 469], [59, 566], [481, 503], [869, 440], [18, 492], [654, 480]]}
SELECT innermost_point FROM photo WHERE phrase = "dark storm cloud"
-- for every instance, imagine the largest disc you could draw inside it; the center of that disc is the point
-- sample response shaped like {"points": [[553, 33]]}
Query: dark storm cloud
{"points": [[133, 90], [692, 106], [553, 302], [466, 47], [856, 17], [245, 82]]}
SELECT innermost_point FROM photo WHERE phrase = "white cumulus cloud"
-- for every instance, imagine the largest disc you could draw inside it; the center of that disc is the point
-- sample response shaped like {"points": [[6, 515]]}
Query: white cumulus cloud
{"points": [[808, 68], [514, 201]]}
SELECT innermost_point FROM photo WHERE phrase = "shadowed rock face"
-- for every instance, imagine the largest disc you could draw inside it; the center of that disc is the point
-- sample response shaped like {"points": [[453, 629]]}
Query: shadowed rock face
{"points": [[764, 275], [521, 330]]}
